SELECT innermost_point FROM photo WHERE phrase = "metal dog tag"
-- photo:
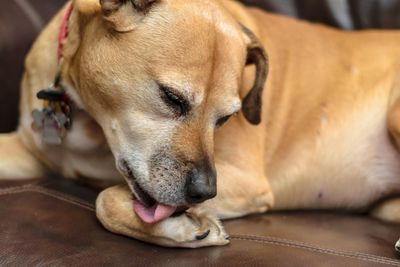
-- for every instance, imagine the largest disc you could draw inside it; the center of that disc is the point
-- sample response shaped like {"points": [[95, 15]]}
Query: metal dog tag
{"points": [[51, 133], [50, 124], [38, 118], [55, 117]]}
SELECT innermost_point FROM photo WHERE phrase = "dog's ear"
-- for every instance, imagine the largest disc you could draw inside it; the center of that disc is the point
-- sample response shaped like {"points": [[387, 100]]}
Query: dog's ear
{"points": [[87, 7], [252, 103], [125, 14]]}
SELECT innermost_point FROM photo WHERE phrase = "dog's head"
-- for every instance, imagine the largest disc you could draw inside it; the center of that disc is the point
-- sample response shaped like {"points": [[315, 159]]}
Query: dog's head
{"points": [[160, 77]]}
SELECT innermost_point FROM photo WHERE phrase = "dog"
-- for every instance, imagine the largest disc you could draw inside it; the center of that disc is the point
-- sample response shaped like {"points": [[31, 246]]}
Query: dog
{"points": [[165, 94]]}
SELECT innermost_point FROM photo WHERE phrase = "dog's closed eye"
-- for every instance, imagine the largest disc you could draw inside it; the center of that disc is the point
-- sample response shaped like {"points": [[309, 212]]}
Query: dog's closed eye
{"points": [[223, 120], [174, 101]]}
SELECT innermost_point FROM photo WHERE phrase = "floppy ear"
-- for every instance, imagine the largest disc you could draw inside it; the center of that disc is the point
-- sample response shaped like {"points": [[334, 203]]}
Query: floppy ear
{"points": [[125, 14], [256, 55]]}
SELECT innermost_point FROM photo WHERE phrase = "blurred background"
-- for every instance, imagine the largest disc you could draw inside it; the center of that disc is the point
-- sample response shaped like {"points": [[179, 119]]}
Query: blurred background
{"points": [[22, 20]]}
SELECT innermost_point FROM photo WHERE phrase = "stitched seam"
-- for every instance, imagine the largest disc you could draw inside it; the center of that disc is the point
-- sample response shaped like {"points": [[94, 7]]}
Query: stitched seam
{"points": [[52, 193], [302, 245], [324, 251], [309, 245], [32, 183], [12, 189], [305, 244], [64, 197]]}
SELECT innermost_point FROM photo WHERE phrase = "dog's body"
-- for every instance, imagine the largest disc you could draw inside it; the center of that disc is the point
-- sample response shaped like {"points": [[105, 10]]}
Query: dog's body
{"points": [[329, 136]]}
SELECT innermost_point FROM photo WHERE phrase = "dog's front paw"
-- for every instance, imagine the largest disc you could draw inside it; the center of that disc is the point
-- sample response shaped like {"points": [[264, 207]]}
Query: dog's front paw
{"points": [[192, 229]]}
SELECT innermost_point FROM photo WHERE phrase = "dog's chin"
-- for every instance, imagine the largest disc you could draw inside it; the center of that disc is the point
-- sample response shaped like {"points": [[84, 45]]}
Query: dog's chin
{"points": [[145, 206], [140, 194]]}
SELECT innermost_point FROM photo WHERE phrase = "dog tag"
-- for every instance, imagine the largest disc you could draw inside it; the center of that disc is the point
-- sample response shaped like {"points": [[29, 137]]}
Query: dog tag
{"points": [[55, 117], [51, 133], [60, 118], [38, 117], [50, 124]]}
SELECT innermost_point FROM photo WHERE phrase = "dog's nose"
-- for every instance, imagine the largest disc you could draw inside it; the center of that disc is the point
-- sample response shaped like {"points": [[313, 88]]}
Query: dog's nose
{"points": [[201, 185]]}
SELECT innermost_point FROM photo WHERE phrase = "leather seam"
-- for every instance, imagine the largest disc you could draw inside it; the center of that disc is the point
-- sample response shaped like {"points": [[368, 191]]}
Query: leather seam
{"points": [[303, 244], [51, 193], [12, 189], [310, 247], [64, 197], [4, 190]]}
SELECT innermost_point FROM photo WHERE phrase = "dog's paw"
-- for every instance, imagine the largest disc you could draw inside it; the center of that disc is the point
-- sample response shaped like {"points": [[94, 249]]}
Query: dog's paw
{"points": [[397, 246], [192, 230]]}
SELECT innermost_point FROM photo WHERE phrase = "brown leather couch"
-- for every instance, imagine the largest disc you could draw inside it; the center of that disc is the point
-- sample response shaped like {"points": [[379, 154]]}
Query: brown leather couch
{"points": [[51, 222]]}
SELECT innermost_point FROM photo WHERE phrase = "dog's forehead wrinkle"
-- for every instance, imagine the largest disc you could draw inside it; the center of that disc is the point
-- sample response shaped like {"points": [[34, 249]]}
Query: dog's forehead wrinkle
{"points": [[218, 21], [203, 17], [208, 11]]}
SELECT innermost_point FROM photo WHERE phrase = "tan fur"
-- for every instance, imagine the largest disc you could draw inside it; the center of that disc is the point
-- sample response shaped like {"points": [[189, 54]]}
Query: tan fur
{"points": [[329, 106]]}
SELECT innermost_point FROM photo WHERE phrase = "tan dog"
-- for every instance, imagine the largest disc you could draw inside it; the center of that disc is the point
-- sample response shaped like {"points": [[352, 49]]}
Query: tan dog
{"points": [[152, 80]]}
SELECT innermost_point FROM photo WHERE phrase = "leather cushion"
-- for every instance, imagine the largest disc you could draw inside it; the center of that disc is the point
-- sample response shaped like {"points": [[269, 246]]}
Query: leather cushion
{"points": [[20, 23], [345, 14], [52, 223]]}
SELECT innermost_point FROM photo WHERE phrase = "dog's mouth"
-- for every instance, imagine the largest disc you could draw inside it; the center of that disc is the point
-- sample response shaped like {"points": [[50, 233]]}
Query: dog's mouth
{"points": [[145, 206]]}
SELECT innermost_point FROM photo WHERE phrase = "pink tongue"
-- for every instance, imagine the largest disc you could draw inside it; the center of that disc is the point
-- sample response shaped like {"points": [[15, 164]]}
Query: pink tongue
{"points": [[153, 214]]}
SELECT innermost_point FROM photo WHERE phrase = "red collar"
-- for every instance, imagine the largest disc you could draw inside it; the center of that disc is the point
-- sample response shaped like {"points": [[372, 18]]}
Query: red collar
{"points": [[63, 34], [55, 118]]}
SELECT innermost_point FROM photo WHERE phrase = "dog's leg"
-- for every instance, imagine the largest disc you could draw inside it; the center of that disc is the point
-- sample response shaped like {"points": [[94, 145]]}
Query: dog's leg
{"points": [[114, 209], [16, 162], [388, 210], [393, 120], [242, 185], [198, 227], [242, 189], [241, 192]]}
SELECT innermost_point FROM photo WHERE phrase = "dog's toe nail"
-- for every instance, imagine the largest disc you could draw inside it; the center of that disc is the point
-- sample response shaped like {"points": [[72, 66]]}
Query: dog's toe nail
{"points": [[227, 237], [202, 236]]}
